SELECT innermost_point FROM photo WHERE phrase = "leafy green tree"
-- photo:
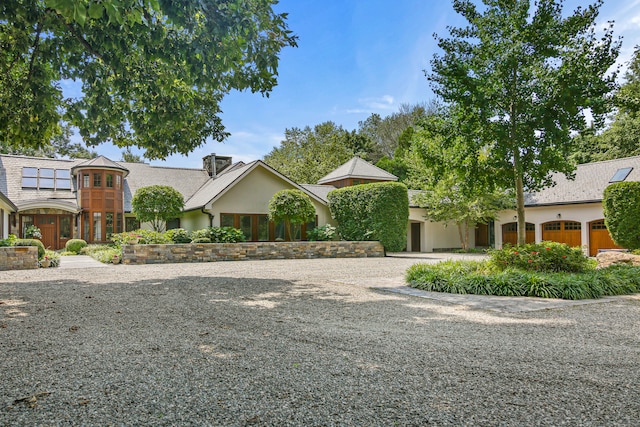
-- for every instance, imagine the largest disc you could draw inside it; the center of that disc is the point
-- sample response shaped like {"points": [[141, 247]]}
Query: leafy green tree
{"points": [[153, 72], [60, 146], [522, 77], [306, 155], [128, 156], [621, 204], [157, 204], [292, 207]]}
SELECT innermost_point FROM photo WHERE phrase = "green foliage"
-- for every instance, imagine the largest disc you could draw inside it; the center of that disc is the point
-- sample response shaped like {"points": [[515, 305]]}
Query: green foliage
{"points": [[621, 205], [218, 235], [140, 237], [146, 68], [323, 233], [75, 245], [179, 235], [103, 253], [52, 257], [378, 211], [532, 71], [306, 155], [292, 207], [157, 204], [31, 242], [201, 240], [472, 277], [9, 241], [541, 257], [32, 232]]}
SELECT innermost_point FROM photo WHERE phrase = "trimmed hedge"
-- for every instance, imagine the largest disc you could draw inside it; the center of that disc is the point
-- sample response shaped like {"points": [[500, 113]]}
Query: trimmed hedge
{"points": [[31, 242], [378, 211], [75, 245], [540, 257], [621, 204]]}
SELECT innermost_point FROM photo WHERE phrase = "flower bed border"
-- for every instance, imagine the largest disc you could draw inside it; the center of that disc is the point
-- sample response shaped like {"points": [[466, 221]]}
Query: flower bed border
{"points": [[213, 252]]}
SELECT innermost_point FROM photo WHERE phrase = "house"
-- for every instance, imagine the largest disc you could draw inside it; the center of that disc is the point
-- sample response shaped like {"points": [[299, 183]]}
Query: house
{"points": [[91, 199]]}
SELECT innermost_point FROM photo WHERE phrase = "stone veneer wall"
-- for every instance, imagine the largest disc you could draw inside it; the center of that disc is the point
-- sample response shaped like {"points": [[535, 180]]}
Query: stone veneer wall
{"points": [[18, 257], [209, 252]]}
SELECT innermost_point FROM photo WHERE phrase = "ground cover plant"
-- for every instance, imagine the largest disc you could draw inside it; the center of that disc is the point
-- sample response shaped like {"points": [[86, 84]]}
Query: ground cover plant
{"points": [[546, 270]]}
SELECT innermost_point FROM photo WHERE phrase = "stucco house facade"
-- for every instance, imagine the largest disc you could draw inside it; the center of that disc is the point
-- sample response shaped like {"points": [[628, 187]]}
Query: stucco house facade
{"points": [[91, 199]]}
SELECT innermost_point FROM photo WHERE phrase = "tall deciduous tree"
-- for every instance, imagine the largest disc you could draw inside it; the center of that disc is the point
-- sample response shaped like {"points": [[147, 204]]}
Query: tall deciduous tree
{"points": [[157, 204], [153, 72], [308, 154], [523, 77]]}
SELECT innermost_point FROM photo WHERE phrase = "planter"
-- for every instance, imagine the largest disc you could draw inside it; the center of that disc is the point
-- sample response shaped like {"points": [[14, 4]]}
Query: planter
{"points": [[45, 263]]}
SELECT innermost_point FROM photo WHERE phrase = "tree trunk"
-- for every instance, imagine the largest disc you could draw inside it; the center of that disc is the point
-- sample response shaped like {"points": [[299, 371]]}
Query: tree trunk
{"points": [[522, 229], [463, 233]]}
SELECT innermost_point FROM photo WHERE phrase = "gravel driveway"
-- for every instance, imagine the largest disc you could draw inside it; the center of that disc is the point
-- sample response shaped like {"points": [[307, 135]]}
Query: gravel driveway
{"points": [[301, 342]]}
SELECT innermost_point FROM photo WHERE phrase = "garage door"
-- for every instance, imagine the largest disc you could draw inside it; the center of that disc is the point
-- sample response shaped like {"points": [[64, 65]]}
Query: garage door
{"points": [[599, 237], [563, 232], [510, 233]]}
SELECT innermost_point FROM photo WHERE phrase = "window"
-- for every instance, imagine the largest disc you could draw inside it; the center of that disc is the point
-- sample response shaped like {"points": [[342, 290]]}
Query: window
{"points": [[30, 177], [173, 223], [226, 220], [552, 226], [63, 179], [46, 178], [85, 180], [131, 223], [263, 228], [598, 225], [65, 227], [621, 175], [86, 233], [245, 226], [572, 225], [108, 224], [118, 223], [97, 226], [97, 180], [118, 181], [108, 180]]}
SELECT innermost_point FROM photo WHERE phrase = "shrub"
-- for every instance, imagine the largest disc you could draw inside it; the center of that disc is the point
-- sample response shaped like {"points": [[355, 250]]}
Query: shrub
{"points": [[31, 242], [201, 240], [378, 211], [621, 205], [542, 257], [292, 207], [322, 233], [102, 253], [32, 232], [219, 235], [9, 241], [157, 204], [474, 277], [75, 245], [178, 235], [149, 237]]}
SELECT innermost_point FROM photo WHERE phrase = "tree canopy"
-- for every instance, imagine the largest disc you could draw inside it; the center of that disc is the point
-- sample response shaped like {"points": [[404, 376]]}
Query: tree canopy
{"points": [[292, 207], [152, 72], [157, 204], [522, 78]]}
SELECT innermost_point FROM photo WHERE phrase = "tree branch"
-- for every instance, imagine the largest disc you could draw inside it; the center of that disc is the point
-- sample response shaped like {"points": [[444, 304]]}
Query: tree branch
{"points": [[36, 43]]}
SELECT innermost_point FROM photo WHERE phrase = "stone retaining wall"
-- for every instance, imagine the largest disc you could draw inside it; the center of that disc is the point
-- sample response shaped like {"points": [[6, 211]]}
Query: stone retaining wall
{"points": [[210, 252], [18, 257]]}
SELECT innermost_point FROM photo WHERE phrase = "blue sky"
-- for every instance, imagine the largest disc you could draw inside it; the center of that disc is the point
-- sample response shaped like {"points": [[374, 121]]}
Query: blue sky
{"points": [[354, 58]]}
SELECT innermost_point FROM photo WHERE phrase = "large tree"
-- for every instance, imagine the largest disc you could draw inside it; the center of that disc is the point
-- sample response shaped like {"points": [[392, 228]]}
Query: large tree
{"points": [[308, 154], [523, 78], [152, 72], [157, 204]]}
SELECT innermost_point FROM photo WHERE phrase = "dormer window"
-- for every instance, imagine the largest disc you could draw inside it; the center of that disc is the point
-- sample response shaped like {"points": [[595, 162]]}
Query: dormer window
{"points": [[46, 178], [621, 175]]}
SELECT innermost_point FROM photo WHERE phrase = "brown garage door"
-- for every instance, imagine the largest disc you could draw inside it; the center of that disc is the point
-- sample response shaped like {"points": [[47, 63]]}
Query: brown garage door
{"points": [[599, 237], [510, 233], [563, 232]]}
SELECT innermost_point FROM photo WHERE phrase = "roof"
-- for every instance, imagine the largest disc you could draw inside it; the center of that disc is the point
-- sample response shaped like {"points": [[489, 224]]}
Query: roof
{"points": [[359, 169], [589, 184], [11, 182], [100, 162], [6, 200], [186, 181], [216, 187], [321, 191]]}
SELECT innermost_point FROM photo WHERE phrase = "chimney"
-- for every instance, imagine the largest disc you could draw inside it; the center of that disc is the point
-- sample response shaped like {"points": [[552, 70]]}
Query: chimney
{"points": [[214, 165]]}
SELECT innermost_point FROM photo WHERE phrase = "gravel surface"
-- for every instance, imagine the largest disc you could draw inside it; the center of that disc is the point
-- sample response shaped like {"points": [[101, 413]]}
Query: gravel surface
{"points": [[301, 342]]}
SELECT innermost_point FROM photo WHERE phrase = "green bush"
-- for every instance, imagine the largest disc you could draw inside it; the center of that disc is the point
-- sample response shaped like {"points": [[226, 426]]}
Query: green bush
{"points": [[75, 245], [472, 277], [178, 235], [9, 241], [31, 242], [102, 253], [201, 240], [541, 257], [378, 211], [140, 237], [219, 235], [322, 233], [621, 205]]}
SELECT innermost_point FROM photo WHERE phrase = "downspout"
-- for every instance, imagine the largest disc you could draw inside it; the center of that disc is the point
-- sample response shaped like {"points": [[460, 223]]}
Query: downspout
{"points": [[211, 216]]}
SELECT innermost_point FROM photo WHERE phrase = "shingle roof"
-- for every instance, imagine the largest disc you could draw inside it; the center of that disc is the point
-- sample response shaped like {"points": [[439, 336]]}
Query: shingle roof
{"points": [[101, 162], [11, 181], [589, 184], [359, 169], [321, 191], [186, 181]]}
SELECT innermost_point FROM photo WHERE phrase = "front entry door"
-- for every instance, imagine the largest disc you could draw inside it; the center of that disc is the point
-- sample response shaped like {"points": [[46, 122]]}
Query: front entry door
{"points": [[47, 226]]}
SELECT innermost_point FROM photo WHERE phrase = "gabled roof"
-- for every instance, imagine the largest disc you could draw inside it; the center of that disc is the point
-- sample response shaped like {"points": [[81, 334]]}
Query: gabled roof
{"points": [[217, 187], [359, 169], [100, 162], [186, 181], [589, 184], [321, 191]]}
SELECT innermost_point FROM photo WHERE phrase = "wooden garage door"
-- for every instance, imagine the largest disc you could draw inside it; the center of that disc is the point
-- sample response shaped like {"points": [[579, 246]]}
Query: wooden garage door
{"points": [[510, 233], [563, 232], [599, 237]]}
